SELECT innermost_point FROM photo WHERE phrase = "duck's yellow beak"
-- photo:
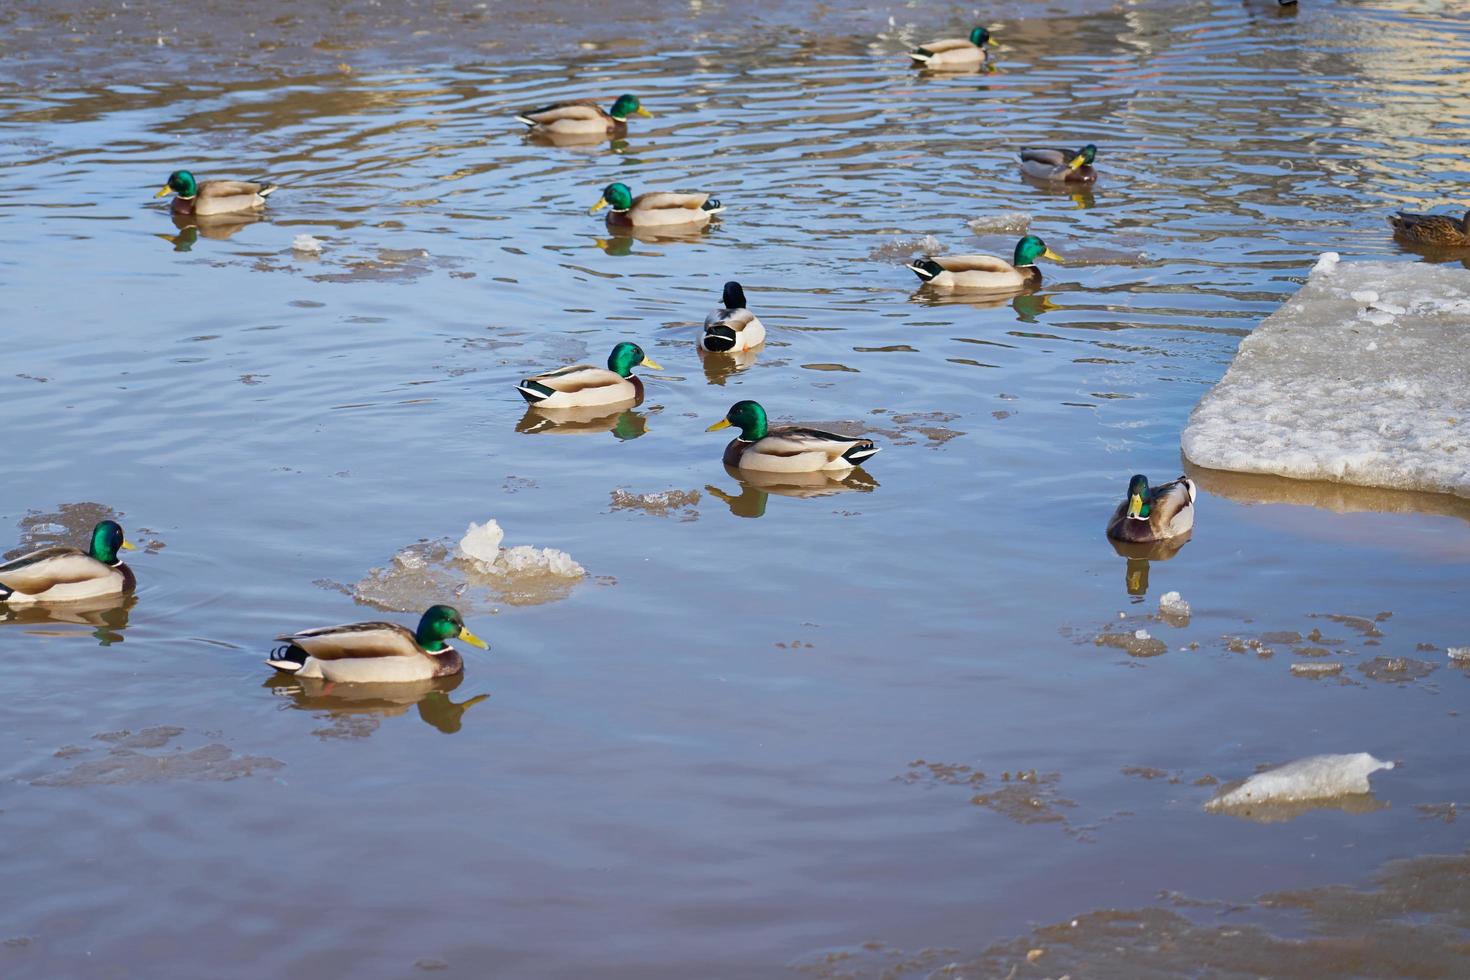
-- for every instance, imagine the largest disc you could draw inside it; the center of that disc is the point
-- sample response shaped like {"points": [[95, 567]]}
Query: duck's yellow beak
{"points": [[721, 424], [1135, 505], [1049, 254], [472, 639], [640, 111], [650, 363], [1077, 162], [598, 206], [129, 546], [164, 191]]}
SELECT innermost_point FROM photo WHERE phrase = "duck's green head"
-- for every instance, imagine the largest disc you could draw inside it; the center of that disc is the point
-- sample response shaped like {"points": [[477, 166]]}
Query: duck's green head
{"points": [[615, 196], [1138, 496], [1083, 157], [628, 355], [1031, 248], [627, 105], [748, 417], [180, 182], [980, 37], [107, 540], [441, 623]]}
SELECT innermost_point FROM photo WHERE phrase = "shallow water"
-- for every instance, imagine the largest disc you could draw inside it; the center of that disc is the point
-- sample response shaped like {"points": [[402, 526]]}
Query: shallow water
{"points": [[731, 750]]}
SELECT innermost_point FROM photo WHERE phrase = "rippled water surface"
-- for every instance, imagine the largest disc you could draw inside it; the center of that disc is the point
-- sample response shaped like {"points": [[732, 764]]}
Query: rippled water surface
{"points": [[736, 747]]}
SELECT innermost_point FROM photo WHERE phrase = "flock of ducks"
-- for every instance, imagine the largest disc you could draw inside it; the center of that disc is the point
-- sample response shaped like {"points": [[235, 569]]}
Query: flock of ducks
{"points": [[383, 652]]}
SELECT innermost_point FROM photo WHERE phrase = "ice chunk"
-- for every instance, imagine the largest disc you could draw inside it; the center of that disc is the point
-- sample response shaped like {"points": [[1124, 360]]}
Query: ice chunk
{"points": [[481, 543], [1365, 296], [907, 248], [1319, 392], [307, 244], [1000, 222], [1461, 654], [1140, 634], [1326, 262], [1316, 777], [1172, 604]]}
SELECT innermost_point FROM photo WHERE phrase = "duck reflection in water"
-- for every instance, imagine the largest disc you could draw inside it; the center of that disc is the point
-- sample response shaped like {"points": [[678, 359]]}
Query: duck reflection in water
{"points": [[720, 366], [623, 242], [756, 487], [619, 419], [217, 227], [108, 615], [1029, 304], [1139, 556], [344, 702]]}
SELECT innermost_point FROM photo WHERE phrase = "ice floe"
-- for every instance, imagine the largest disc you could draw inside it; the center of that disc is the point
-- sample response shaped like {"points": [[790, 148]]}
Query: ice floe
{"points": [[1317, 777], [1362, 377]]}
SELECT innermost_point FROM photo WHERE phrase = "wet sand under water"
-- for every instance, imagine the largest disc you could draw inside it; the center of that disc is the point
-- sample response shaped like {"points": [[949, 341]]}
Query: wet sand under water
{"points": [[915, 722]]}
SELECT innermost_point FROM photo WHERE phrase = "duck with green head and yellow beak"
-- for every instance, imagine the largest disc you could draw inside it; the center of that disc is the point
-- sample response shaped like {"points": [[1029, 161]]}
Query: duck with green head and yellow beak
{"points": [[202, 198], [1151, 514], [787, 448], [953, 53], [656, 209], [1060, 166], [986, 273], [377, 653], [65, 574], [583, 117], [586, 385]]}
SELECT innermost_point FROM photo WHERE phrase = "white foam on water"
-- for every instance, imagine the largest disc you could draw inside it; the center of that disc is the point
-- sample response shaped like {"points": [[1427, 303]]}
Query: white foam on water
{"points": [[1316, 777], [1327, 388]]}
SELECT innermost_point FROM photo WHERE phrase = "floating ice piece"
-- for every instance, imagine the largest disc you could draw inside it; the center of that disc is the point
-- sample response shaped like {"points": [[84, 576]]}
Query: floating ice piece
{"points": [[305, 243], [907, 248], [1459, 654], [1316, 670], [481, 547], [1365, 296], [1326, 390], [999, 222], [1140, 634], [1317, 777], [1326, 262], [481, 543], [1173, 604]]}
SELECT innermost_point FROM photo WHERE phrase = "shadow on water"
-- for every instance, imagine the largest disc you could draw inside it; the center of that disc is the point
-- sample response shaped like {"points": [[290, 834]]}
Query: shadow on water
{"points": [[107, 615]]}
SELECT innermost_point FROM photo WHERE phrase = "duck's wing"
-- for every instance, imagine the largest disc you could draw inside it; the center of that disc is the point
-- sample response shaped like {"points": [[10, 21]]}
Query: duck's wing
{"points": [[232, 188], [660, 200], [1429, 227], [1051, 158], [795, 440], [945, 44], [577, 378], [579, 109], [735, 319], [38, 571], [1169, 501], [973, 263], [355, 641]]}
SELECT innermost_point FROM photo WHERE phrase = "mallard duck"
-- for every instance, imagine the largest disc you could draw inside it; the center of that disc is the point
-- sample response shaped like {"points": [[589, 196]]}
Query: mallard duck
{"points": [[656, 209], [954, 52], [583, 117], [1060, 165], [214, 196], [732, 327], [63, 574], [1432, 229], [583, 385], [1153, 514], [786, 448], [986, 272], [377, 653]]}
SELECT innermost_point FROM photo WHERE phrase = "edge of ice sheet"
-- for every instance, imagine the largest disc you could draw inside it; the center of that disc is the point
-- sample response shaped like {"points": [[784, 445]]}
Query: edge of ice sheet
{"points": [[1362, 377]]}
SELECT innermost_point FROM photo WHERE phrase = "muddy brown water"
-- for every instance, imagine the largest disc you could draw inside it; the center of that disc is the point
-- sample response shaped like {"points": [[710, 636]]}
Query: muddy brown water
{"points": [[865, 729]]}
